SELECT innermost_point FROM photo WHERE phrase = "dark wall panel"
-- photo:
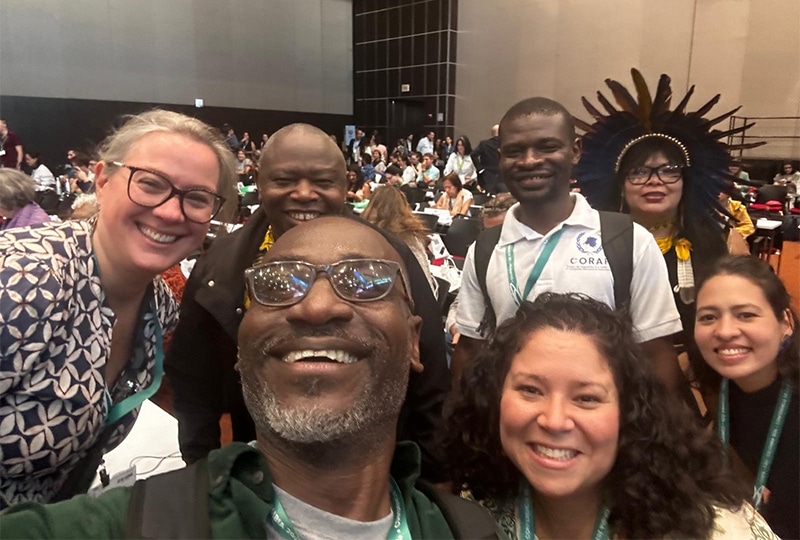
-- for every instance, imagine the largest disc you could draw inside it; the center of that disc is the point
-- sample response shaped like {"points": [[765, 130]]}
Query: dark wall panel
{"points": [[404, 42], [52, 126]]}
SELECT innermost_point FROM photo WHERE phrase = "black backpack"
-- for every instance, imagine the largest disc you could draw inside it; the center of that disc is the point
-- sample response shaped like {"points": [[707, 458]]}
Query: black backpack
{"points": [[616, 232], [175, 505]]}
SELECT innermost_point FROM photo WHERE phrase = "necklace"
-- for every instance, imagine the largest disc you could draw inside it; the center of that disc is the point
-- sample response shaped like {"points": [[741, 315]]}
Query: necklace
{"points": [[773, 434], [527, 530], [663, 225]]}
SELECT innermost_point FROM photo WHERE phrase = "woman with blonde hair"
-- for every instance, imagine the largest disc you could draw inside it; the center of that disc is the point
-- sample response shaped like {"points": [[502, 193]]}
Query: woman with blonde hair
{"points": [[388, 209], [84, 350]]}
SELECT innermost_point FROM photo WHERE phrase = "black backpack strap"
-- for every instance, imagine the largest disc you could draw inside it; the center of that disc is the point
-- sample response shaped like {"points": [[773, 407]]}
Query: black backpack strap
{"points": [[466, 519], [484, 247], [171, 505], [616, 231]]}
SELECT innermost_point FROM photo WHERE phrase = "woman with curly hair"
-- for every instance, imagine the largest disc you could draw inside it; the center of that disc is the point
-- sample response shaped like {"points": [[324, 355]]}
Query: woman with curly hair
{"points": [[747, 334], [389, 210], [562, 430]]}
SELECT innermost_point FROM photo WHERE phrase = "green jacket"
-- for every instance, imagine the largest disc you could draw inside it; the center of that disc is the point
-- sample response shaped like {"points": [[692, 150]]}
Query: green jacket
{"points": [[239, 501]]}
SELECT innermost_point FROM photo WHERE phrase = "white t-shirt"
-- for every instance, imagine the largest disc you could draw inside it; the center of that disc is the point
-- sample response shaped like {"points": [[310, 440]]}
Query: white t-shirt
{"points": [[425, 146], [311, 523], [577, 264], [409, 175], [43, 178]]}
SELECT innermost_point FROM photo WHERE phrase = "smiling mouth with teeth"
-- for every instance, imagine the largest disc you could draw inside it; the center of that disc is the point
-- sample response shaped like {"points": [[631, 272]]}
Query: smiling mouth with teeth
{"points": [[733, 351], [558, 454], [304, 216], [327, 355], [157, 237]]}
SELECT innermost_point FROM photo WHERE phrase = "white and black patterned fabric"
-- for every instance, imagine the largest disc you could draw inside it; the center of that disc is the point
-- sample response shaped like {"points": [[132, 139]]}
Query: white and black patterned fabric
{"points": [[55, 339]]}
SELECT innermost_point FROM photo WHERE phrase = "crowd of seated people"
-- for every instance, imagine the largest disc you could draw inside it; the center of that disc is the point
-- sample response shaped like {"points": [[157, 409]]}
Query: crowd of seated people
{"points": [[320, 334]]}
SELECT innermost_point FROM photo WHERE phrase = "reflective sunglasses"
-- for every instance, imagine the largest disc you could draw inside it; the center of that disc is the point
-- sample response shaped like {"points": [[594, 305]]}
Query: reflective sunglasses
{"points": [[285, 283], [668, 174], [150, 189]]}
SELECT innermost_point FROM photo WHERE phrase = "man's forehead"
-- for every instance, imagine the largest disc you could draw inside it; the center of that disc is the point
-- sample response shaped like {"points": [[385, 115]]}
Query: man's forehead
{"points": [[535, 124], [330, 240]]}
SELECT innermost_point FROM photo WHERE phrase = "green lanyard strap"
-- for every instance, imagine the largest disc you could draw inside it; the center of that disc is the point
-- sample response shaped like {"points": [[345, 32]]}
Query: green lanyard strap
{"points": [[399, 530], [773, 435], [134, 400], [526, 524], [549, 245]]}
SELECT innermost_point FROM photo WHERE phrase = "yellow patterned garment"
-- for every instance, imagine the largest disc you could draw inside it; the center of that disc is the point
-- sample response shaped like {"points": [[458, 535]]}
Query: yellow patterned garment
{"points": [[683, 247], [265, 246]]}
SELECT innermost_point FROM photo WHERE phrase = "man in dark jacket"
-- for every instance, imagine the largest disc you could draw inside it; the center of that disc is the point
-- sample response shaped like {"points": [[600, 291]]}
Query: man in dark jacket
{"points": [[486, 158], [302, 177]]}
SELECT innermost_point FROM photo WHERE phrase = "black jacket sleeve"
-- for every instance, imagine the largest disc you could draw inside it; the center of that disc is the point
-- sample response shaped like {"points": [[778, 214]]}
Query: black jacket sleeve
{"points": [[195, 374], [422, 413]]}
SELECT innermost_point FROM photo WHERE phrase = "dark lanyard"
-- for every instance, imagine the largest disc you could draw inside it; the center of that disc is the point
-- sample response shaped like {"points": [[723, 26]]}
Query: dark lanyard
{"points": [[773, 435], [536, 272], [526, 526], [398, 531]]}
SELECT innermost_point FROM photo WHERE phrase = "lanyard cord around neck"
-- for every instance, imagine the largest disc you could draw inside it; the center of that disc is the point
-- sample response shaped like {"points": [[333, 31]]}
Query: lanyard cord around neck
{"points": [[773, 434], [526, 525], [133, 401], [398, 531], [536, 272]]}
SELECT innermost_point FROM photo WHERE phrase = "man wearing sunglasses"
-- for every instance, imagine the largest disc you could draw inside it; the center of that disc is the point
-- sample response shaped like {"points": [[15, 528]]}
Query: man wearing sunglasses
{"points": [[326, 349], [302, 177]]}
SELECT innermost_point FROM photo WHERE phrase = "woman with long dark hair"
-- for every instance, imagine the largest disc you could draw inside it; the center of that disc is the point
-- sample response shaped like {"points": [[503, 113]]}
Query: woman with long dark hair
{"points": [[460, 163], [562, 430], [666, 169], [748, 335]]}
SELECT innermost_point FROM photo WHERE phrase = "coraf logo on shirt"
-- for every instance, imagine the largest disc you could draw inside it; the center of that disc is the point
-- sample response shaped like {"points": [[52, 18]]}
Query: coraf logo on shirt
{"points": [[589, 256]]}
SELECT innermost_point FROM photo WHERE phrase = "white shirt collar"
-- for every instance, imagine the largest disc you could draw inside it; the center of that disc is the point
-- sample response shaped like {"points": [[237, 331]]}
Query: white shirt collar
{"points": [[582, 215]]}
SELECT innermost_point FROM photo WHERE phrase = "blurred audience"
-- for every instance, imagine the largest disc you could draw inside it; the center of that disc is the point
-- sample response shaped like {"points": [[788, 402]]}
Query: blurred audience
{"points": [[17, 206]]}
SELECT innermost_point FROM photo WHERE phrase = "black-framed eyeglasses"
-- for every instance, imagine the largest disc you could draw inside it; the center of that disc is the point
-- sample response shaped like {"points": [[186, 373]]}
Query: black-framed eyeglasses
{"points": [[285, 283], [150, 189], [667, 173]]}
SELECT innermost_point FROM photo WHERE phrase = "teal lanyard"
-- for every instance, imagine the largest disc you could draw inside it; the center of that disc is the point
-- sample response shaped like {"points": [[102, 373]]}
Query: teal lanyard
{"points": [[526, 525], [773, 435], [134, 400], [399, 530], [536, 272]]}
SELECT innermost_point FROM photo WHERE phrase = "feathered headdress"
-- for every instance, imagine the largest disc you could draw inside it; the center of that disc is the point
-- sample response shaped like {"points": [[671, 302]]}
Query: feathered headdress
{"points": [[610, 137]]}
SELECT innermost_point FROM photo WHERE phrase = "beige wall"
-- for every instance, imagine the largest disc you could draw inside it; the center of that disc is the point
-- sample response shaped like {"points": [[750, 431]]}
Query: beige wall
{"points": [[746, 50], [286, 55]]}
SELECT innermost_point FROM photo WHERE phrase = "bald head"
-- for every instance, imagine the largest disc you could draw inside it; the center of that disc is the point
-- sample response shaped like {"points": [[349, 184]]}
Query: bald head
{"points": [[495, 130], [304, 135], [302, 176]]}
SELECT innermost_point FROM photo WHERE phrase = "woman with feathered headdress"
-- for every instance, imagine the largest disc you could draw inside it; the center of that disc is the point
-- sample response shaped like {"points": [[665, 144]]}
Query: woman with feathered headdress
{"points": [[666, 169]]}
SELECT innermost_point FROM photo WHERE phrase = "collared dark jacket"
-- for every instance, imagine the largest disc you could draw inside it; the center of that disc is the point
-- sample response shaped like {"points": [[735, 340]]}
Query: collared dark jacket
{"points": [[486, 158], [201, 359]]}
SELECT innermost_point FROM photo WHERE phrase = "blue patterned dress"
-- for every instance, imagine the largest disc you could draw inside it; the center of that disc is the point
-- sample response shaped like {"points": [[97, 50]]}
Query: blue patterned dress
{"points": [[55, 339]]}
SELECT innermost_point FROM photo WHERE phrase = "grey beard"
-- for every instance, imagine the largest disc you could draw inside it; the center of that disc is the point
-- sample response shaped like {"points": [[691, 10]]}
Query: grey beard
{"points": [[314, 424]]}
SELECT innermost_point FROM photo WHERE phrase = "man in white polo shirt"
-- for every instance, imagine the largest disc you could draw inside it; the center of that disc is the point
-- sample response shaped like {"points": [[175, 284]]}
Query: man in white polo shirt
{"points": [[550, 241], [425, 144]]}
